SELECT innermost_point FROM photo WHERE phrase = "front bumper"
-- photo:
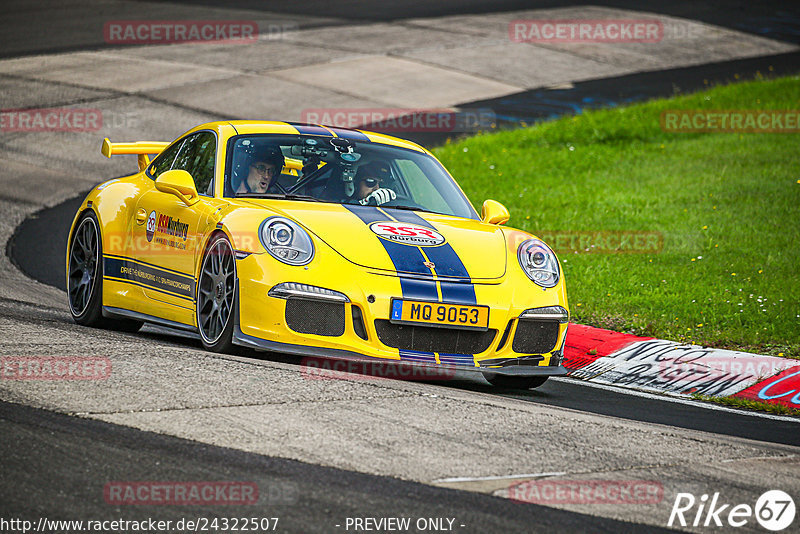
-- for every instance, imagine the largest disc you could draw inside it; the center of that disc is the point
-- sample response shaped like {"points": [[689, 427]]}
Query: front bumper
{"points": [[269, 323]]}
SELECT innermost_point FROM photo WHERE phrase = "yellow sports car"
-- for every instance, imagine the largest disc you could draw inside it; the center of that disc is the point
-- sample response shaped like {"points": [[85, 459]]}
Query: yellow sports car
{"points": [[316, 241]]}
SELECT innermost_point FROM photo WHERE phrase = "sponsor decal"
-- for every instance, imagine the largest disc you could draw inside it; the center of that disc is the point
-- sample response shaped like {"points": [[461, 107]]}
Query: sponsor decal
{"points": [[173, 227], [181, 493], [407, 233], [774, 510], [151, 225], [149, 276], [550, 492], [159, 223], [410, 259]]}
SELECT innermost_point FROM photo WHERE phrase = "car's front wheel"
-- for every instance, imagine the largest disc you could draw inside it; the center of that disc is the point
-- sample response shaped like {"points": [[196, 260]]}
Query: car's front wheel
{"points": [[515, 382], [216, 295]]}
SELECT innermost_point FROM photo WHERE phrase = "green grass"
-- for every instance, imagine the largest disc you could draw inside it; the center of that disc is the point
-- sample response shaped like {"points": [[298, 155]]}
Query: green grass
{"points": [[729, 201]]}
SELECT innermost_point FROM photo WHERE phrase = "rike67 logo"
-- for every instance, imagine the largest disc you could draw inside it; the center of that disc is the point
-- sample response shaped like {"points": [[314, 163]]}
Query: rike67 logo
{"points": [[774, 510]]}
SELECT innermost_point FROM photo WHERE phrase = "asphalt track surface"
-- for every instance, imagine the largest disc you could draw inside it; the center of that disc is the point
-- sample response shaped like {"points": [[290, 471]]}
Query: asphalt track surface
{"points": [[306, 498]]}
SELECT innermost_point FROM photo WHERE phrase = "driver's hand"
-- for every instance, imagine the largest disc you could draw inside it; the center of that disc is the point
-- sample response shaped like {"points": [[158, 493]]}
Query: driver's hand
{"points": [[378, 197]]}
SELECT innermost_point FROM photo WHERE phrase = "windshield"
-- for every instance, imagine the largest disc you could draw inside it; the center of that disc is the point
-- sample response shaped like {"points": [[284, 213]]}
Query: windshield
{"points": [[342, 171]]}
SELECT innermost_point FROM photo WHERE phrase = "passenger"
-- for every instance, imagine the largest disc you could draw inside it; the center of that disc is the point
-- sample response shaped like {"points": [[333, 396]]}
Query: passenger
{"points": [[369, 181], [263, 167]]}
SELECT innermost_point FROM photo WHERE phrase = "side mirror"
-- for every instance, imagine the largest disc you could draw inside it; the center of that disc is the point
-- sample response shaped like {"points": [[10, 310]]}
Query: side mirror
{"points": [[179, 183], [494, 213]]}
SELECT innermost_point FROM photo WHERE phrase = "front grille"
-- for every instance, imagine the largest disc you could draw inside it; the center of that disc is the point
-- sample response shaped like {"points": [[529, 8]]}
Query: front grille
{"points": [[535, 337], [432, 339], [315, 317]]}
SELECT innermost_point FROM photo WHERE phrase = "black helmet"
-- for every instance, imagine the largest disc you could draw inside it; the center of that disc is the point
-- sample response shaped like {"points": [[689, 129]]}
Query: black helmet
{"points": [[267, 154], [374, 169]]}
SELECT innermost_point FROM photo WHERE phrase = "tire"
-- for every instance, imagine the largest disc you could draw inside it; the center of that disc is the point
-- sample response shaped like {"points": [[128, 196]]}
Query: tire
{"points": [[515, 382], [216, 295], [85, 279]]}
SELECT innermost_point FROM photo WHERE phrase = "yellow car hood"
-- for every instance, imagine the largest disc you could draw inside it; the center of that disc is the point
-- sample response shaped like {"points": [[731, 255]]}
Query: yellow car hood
{"points": [[471, 248]]}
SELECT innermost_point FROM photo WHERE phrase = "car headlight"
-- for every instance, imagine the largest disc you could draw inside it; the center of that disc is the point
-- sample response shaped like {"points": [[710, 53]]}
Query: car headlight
{"points": [[286, 241], [539, 262]]}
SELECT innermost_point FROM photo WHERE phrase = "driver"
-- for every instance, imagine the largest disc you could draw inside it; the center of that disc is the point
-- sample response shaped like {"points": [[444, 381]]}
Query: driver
{"points": [[369, 180], [263, 167]]}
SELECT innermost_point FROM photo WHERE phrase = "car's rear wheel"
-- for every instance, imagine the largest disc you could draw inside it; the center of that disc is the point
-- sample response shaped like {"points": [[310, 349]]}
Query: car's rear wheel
{"points": [[515, 382], [85, 279], [216, 295]]}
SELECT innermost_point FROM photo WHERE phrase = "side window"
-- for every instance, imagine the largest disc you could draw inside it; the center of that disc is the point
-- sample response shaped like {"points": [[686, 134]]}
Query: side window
{"points": [[197, 158], [163, 162]]}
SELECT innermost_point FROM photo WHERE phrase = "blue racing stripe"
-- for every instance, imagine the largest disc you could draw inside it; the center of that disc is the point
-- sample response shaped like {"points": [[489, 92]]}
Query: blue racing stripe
{"points": [[349, 134], [457, 359], [310, 129], [447, 263], [457, 292], [416, 356], [405, 258], [419, 289]]}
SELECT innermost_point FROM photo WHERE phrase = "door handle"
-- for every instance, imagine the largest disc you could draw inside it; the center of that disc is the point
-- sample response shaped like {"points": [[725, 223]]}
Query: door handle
{"points": [[141, 216]]}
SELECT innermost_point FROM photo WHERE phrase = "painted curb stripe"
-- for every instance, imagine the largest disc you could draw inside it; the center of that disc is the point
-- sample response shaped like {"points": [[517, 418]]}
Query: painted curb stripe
{"points": [[581, 340], [657, 365], [783, 388]]}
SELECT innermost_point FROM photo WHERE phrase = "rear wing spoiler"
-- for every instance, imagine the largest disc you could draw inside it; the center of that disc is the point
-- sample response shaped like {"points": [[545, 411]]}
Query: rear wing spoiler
{"points": [[142, 148]]}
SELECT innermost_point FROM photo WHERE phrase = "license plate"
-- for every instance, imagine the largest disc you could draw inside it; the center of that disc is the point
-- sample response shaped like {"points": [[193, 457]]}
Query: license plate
{"points": [[439, 314]]}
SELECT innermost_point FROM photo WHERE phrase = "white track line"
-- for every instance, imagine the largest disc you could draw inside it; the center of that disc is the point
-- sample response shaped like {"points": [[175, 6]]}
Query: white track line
{"points": [[498, 477]]}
